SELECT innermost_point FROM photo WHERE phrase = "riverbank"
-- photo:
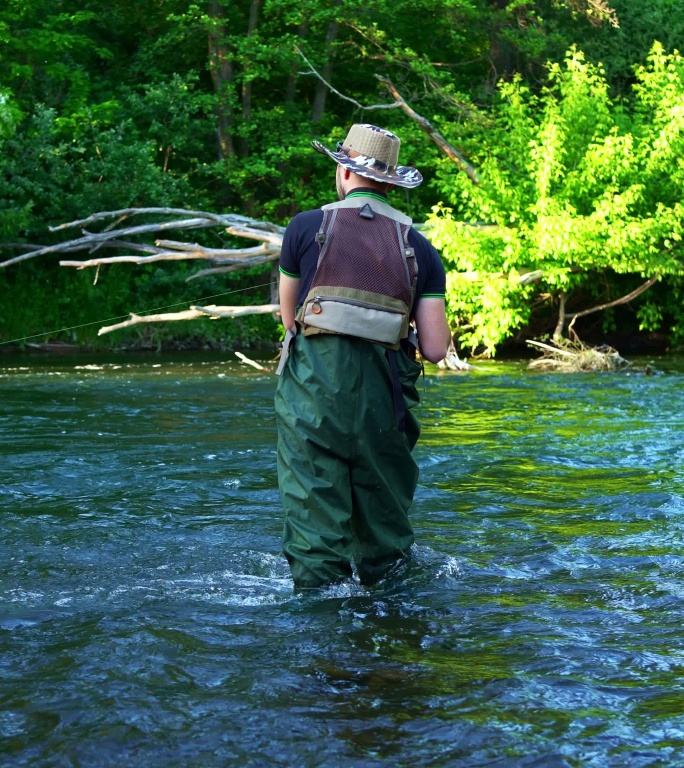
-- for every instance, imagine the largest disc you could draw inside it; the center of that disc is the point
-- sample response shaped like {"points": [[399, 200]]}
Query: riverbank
{"points": [[627, 345]]}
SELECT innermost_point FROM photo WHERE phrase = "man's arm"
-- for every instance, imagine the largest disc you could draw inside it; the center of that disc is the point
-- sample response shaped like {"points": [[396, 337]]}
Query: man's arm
{"points": [[288, 290], [434, 336]]}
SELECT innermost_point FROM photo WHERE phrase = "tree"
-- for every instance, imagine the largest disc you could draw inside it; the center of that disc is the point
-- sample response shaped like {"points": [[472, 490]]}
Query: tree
{"points": [[580, 194]]}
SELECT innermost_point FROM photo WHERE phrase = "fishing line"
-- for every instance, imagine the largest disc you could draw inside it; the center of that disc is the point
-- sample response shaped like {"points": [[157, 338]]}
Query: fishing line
{"points": [[121, 317]]}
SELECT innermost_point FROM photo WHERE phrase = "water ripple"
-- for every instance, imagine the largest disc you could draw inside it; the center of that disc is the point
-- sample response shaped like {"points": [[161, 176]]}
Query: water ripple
{"points": [[148, 618]]}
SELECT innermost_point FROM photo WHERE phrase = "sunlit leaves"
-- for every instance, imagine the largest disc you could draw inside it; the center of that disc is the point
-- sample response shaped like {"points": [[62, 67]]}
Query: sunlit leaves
{"points": [[576, 185]]}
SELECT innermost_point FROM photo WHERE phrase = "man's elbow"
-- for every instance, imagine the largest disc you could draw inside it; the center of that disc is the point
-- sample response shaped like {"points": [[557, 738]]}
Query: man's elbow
{"points": [[435, 351]]}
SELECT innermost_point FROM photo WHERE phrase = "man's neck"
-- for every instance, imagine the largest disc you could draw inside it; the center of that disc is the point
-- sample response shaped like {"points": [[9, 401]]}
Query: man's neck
{"points": [[366, 192]]}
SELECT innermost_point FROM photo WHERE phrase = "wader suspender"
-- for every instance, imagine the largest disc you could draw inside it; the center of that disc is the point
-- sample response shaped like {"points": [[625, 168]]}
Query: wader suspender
{"points": [[400, 409], [397, 394]]}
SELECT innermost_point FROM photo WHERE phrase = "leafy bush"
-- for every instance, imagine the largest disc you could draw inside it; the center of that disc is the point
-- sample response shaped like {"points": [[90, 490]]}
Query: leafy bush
{"points": [[577, 188]]}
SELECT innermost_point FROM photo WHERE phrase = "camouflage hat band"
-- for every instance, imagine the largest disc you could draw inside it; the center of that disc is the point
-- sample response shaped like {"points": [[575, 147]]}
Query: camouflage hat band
{"points": [[376, 156]]}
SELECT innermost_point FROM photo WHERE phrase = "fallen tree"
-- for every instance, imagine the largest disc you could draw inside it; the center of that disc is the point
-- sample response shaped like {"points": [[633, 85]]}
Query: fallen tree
{"points": [[123, 239], [123, 236]]}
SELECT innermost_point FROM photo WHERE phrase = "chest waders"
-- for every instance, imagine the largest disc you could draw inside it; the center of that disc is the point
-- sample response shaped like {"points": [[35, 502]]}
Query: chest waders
{"points": [[345, 469]]}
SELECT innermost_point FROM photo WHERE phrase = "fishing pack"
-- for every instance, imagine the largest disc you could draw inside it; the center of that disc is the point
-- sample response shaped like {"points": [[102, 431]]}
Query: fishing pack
{"points": [[366, 275]]}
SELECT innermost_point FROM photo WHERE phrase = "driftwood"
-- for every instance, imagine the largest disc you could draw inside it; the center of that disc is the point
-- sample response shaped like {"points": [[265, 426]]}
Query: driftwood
{"points": [[193, 313], [575, 357], [246, 360], [113, 236]]}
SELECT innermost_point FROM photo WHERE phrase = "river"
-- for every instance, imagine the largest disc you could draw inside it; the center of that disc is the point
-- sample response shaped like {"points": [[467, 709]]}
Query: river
{"points": [[147, 617]]}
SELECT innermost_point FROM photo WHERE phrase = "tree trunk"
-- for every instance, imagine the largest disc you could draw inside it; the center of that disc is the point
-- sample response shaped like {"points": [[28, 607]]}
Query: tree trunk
{"points": [[246, 83], [221, 69], [501, 55], [321, 94]]}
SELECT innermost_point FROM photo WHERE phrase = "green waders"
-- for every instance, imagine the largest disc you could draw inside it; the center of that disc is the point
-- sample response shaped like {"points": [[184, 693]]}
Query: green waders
{"points": [[345, 470]]}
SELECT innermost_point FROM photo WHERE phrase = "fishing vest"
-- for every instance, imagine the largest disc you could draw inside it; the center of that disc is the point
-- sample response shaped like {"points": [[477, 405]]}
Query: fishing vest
{"points": [[366, 274]]}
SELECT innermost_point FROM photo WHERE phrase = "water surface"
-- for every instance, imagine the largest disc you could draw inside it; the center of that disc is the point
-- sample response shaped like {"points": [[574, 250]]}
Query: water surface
{"points": [[147, 617]]}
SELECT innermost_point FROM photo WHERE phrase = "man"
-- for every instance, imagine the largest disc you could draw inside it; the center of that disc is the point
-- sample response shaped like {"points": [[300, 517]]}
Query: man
{"points": [[354, 279]]}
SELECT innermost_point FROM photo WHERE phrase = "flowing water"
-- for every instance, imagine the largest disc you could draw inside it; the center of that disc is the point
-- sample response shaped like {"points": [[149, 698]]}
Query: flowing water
{"points": [[148, 619]]}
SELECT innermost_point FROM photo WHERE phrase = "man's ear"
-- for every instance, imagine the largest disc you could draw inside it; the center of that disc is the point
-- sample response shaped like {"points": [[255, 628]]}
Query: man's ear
{"points": [[347, 174]]}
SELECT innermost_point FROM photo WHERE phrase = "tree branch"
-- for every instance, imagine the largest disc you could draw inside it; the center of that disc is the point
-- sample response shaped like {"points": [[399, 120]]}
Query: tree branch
{"points": [[237, 255], [241, 226], [238, 265], [400, 103], [558, 332], [435, 135], [341, 95], [624, 300], [94, 239], [193, 313], [219, 218]]}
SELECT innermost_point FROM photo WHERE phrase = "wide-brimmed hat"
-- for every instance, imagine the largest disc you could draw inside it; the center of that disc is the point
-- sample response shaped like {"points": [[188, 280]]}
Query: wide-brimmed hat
{"points": [[377, 158]]}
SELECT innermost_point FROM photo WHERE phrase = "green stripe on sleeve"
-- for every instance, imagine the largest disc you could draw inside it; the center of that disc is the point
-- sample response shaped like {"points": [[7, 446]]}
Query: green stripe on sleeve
{"points": [[289, 274], [433, 296]]}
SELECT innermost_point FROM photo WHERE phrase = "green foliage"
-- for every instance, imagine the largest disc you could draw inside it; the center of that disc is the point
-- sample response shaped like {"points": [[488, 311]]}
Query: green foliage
{"points": [[48, 177], [575, 185], [9, 116], [208, 105]]}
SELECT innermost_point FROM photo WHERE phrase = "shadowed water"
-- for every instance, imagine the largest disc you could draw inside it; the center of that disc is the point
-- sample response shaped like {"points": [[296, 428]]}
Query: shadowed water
{"points": [[148, 619]]}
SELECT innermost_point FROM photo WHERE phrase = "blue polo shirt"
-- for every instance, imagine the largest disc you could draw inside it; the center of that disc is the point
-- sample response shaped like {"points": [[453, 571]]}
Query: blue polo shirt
{"points": [[300, 251]]}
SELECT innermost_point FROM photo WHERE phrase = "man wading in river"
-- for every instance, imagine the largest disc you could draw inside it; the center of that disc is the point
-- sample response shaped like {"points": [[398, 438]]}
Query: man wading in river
{"points": [[354, 279]]}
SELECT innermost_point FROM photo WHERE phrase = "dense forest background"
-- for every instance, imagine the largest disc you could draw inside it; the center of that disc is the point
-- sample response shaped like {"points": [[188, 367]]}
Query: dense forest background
{"points": [[571, 112]]}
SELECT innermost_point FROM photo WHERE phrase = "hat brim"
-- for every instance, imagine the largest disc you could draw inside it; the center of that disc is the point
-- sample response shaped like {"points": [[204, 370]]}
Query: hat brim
{"points": [[403, 175]]}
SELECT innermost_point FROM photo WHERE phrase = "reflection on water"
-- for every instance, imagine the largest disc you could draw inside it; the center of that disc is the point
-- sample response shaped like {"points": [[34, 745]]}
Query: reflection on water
{"points": [[148, 619]]}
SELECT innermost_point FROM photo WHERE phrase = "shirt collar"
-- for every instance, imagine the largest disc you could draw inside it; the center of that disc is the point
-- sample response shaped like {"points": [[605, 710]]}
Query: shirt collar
{"points": [[366, 192]]}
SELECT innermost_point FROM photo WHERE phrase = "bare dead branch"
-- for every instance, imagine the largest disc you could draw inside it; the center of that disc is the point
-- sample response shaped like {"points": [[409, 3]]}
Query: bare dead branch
{"points": [[548, 348], [276, 238], [238, 265], [221, 254], [93, 239], [218, 255], [341, 95], [530, 277], [526, 278], [124, 213], [193, 313], [241, 226], [400, 103], [161, 256], [435, 135], [624, 300]]}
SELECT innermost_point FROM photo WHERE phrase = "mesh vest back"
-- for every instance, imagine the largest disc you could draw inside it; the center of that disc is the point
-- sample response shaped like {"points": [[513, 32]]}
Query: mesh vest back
{"points": [[366, 274], [365, 254]]}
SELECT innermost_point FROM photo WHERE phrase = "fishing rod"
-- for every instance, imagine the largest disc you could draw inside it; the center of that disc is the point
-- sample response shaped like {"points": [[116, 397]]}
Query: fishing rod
{"points": [[121, 317]]}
